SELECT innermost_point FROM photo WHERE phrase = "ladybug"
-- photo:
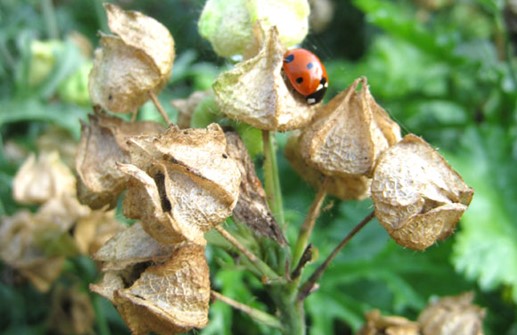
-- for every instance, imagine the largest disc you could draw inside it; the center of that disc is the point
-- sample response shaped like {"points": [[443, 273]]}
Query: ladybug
{"points": [[306, 74]]}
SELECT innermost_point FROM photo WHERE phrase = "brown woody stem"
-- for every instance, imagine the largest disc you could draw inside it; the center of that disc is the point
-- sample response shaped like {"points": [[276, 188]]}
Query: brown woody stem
{"points": [[159, 107], [258, 315], [306, 288]]}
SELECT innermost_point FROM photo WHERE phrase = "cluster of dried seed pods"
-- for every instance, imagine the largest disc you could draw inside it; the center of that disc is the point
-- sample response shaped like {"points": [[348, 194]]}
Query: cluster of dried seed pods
{"points": [[354, 150], [179, 184]]}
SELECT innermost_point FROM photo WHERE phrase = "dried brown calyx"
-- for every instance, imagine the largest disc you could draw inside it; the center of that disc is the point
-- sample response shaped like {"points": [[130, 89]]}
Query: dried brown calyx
{"points": [[344, 187], [182, 183], [102, 146], [452, 316], [338, 150], [255, 91], [418, 197], [156, 288], [132, 63], [252, 208], [377, 324], [43, 178], [348, 134]]}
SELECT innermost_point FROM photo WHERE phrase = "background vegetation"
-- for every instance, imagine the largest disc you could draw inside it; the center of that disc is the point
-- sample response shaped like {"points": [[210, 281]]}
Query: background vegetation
{"points": [[445, 70]]}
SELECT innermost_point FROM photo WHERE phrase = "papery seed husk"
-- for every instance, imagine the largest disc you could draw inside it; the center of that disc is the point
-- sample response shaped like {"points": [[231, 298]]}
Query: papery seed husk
{"points": [[122, 76], [42, 178], [345, 187], [418, 197], [169, 297], [132, 246], [252, 208], [348, 134], [104, 144], [144, 33], [377, 324], [256, 93], [144, 202], [452, 316]]}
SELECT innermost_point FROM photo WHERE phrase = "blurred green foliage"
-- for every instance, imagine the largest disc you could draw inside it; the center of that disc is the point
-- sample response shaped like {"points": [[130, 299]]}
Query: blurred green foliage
{"points": [[446, 73]]}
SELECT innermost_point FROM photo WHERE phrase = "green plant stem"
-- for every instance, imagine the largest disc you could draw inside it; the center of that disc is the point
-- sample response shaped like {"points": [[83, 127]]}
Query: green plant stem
{"points": [[308, 225], [263, 268], [291, 311], [49, 15], [100, 318], [306, 288], [258, 315], [271, 179]]}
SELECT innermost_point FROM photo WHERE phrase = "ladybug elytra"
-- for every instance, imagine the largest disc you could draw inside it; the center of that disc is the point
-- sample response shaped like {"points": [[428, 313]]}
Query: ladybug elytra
{"points": [[306, 73]]}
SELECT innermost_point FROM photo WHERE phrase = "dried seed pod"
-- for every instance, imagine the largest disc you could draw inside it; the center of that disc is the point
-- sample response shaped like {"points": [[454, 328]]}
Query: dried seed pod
{"points": [[255, 91], [102, 146], [349, 134], [132, 246], [130, 65], [418, 197], [147, 201], [71, 311], [19, 249], [344, 187], [183, 183], [144, 33], [252, 208], [452, 316], [376, 324], [93, 230], [167, 298], [41, 179]]}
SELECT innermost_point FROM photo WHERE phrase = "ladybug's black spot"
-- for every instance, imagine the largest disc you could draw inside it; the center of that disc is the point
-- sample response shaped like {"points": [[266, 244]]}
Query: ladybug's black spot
{"points": [[299, 80], [310, 65], [289, 58]]}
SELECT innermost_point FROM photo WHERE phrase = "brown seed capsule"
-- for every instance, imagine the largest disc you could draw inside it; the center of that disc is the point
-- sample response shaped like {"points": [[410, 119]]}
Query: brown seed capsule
{"points": [[183, 183], [130, 65], [377, 324], [102, 146], [43, 178], [132, 246], [251, 208], [343, 186], [19, 249], [349, 133], [452, 316], [166, 298], [255, 91], [418, 197]]}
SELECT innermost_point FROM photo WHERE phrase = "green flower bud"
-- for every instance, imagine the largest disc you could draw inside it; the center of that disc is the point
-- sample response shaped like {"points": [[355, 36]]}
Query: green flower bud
{"points": [[229, 24]]}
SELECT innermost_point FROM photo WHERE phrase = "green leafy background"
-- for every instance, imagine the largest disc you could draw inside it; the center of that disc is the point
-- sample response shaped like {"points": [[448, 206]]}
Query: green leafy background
{"points": [[448, 75]]}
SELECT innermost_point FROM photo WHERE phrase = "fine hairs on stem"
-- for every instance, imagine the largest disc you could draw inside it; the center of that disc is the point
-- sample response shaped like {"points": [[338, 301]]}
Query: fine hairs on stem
{"points": [[262, 267], [254, 313]]}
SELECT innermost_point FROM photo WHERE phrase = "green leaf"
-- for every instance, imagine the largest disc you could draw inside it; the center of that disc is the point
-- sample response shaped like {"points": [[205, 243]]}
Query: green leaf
{"points": [[486, 247], [66, 116]]}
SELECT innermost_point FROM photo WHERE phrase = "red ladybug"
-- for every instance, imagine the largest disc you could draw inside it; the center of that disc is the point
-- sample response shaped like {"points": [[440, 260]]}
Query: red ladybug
{"points": [[306, 73]]}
